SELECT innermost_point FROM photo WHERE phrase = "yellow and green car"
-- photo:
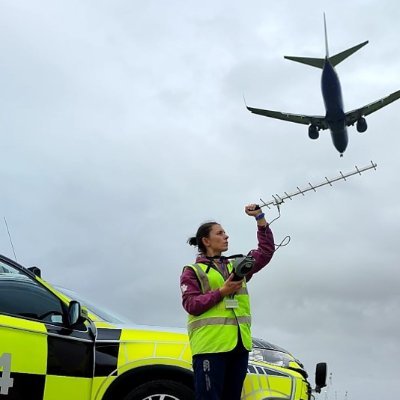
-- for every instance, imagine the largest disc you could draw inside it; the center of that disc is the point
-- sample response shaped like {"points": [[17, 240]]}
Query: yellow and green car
{"points": [[56, 346]]}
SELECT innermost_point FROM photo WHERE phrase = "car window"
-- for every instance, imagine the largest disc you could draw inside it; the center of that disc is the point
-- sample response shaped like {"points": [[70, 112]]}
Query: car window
{"points": [[8, 269], [22, 296]]}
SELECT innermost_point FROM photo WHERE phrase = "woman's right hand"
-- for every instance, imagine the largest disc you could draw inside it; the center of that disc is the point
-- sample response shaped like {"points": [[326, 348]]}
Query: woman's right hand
{"points": [[230, 286]]}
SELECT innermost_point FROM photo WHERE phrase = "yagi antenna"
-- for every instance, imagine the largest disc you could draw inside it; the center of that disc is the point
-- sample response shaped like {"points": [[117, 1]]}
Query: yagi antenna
{"points": [[278, 200]]}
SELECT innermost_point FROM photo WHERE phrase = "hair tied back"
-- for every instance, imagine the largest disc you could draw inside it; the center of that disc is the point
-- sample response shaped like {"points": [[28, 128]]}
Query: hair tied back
{"points": [[192, 241]]}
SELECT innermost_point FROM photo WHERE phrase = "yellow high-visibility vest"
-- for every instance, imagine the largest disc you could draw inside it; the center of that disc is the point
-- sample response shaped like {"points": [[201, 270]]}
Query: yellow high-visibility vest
{"points": [[217, 329]]}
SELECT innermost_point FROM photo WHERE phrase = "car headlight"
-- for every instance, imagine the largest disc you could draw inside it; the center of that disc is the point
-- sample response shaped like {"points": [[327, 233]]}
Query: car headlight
{"points": [[270, 356]]}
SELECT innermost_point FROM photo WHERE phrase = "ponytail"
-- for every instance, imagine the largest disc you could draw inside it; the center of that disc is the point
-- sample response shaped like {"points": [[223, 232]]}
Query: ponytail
{"points": [[202, 232], [192, 241]]}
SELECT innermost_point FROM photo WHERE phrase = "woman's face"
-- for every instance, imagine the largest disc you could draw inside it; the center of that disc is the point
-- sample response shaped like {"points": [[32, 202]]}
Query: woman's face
{"points": [[217, 241]]}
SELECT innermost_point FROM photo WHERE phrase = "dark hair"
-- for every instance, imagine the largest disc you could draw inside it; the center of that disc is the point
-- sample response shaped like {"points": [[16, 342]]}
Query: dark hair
{"points": [[203, 232]]}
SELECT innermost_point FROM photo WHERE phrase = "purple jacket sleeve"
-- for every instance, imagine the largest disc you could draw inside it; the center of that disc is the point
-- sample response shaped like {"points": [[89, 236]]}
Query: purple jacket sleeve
{"points": [[264, 251], [195, 302]]}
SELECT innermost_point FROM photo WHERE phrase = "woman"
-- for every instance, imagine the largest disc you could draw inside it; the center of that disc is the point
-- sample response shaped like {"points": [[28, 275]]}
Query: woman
{"points": [[219, 310]]}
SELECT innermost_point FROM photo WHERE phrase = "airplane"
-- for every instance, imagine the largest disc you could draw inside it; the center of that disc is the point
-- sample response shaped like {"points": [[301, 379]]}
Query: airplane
{"points": [[335, 119]]}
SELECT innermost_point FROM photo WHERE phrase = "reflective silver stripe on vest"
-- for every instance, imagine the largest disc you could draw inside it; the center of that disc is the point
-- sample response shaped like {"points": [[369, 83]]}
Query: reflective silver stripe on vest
{"points": [[242, 290], [205, 284], [218, 321]]}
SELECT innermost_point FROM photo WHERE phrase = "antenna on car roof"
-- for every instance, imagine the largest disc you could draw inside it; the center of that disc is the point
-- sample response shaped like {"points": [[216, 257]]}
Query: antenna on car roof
{"points": [[278, 200], [9, 235]]}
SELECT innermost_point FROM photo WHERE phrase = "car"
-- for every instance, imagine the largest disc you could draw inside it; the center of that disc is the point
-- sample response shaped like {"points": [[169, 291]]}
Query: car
{"points": [[56, 346]]}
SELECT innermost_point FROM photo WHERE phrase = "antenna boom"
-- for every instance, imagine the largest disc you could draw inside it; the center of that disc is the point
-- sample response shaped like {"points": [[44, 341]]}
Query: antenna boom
{"points": [[277, 200]]}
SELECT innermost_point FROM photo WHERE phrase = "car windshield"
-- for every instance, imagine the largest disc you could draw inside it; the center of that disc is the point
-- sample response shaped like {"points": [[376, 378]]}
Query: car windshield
{"points": [[277, 357], [102, 313]]}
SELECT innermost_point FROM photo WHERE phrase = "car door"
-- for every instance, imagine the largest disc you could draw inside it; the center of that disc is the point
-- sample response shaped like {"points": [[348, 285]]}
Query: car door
{"points": [[41, 357]]}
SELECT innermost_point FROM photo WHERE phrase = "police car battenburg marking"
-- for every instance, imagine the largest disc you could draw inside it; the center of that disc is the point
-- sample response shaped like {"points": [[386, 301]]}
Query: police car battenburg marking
{"points": [[63, 355], [107, 353], [255, 369], [26, 386]]}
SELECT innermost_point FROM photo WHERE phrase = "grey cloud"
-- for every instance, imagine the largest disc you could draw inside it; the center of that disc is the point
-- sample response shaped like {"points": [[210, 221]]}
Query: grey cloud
{"points": [[123, 128]]}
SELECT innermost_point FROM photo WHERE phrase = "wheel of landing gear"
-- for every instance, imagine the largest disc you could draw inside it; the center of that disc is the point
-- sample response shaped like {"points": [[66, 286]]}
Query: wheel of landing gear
{"points": [[161, 390]]}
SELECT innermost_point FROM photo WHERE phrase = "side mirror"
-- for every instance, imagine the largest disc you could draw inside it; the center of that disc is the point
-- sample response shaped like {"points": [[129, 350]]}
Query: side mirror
{"points": [[320, 376], [36, 271], [74, 313]]}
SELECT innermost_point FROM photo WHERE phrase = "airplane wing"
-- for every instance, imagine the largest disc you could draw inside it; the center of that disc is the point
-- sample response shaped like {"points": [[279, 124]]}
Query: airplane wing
{"points": [[317, 120], [353, 116]]}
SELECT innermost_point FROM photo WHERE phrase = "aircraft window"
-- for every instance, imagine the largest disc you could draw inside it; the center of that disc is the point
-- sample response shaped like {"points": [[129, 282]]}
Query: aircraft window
{"points": [[24, 298]]}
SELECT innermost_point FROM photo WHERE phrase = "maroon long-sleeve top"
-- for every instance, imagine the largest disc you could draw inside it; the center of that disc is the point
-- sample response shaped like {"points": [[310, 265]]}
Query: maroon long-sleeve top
{"points": [[195, 302]]}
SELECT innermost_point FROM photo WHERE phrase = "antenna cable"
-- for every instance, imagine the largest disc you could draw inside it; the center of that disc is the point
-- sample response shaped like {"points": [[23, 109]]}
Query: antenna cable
{"points": [[9, 235]]}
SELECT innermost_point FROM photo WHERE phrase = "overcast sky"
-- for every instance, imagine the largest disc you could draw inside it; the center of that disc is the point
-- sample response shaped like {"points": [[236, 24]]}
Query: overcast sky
{"points": [[123, 127]]}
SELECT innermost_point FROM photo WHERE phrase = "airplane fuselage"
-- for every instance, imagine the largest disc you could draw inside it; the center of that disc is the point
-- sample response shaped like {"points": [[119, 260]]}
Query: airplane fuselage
{"points": [[333, 100]]}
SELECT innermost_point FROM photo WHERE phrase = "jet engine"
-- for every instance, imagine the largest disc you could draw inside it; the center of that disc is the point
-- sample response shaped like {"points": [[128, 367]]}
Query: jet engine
{"points": [[361, 125], [313, 132]]}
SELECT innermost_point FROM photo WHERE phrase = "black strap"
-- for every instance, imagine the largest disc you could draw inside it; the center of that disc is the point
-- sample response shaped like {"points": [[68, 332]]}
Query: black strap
{"points": [[223, 257], [235, 256], [210, 264]]}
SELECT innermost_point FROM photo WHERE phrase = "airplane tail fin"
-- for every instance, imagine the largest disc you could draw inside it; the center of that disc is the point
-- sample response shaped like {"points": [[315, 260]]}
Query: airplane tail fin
{"points": [[326, 39], [334, 60]]}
